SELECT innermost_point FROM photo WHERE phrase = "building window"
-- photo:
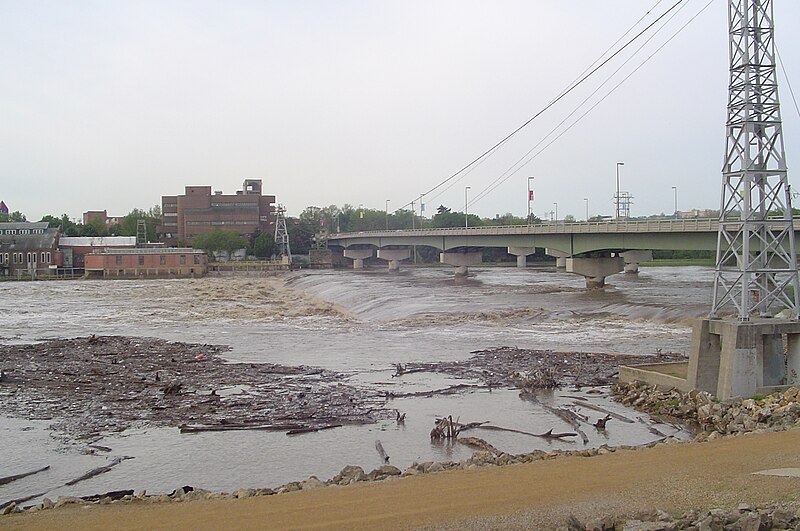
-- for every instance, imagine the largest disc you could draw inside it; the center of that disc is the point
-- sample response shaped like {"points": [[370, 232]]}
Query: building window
{"points": [[41, 259], [163, 260], [118, 260], [197, 259], [183, 259], [141, 260], [48, 258]]}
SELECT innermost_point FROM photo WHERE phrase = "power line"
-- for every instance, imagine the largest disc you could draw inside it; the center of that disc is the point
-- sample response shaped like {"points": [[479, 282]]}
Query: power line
{"points": [[514, 168], [789, 83], [558, 98]]}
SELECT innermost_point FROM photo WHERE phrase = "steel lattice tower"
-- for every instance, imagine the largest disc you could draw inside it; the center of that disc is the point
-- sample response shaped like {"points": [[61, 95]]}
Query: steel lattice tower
{"points": [[282, 234], [756, 265]]}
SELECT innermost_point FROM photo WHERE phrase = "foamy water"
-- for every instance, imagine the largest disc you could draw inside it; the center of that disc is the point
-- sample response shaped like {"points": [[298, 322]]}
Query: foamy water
{"points": [[359, 323]]}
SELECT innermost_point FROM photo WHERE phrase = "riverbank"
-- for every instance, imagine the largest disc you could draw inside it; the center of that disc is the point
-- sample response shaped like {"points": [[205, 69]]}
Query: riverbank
{"points": [[675, 478]]}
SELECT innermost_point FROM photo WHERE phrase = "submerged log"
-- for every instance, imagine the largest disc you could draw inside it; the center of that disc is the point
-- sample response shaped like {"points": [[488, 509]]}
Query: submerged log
{"points": [[546, 435], [97, 471], [187, 428], [477, 442], [381, 451], [9, 479], [312, 429], [570, 417], [601, 410]]}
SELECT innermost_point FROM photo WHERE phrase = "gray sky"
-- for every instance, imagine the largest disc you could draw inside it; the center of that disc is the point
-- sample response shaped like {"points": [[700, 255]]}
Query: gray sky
{"points": [[109, 105]]}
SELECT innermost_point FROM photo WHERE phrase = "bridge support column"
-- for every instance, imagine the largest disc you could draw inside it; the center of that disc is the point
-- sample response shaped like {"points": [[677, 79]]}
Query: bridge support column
{"points": [[393, 256], [521, 254], [358, 256], [730, 358], [632, 259], [595, 269], [560, 256], [461, 261]]}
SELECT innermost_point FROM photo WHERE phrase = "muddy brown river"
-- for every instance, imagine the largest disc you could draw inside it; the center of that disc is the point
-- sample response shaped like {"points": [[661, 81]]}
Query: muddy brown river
{"points": [[357, 326]]}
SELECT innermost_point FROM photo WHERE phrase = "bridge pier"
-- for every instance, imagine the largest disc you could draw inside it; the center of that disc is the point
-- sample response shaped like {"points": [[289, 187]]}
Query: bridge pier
{"points": [[393, 256], [632, 259], [461, 261], [730, 358], [358, 256], [522, 254], [560, 256], [595, 270]]}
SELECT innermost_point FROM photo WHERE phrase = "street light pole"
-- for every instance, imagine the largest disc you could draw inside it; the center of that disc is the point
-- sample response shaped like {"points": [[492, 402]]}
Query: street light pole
{"points": [[675, 189], [387, 214], [556, 212], [618, 197], [586, 200], [530, 199], [466, 216]]}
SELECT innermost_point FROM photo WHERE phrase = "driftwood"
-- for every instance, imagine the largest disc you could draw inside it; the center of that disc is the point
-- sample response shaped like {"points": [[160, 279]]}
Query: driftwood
{"points": [[601, 423], [401, 419], [570, 417], [23, 500], [9, 479], [446, 391], [188, 428], [477, 442], [652, 429], [601, 410], [381, 451], [400, 370], [446, 428], [97, 471], [311, 429], [546, 435]]}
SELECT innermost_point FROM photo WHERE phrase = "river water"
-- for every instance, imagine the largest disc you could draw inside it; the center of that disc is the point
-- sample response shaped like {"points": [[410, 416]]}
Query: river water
{"points": [[358, 323]]}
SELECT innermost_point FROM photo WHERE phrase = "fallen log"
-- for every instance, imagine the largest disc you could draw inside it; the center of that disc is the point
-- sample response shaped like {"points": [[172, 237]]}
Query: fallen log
{"points": [[310, 429], [187, 428], [381, 451], [570, 417], [445, 391], [546, 435], [601, 410], [477, 442], [97, 471], [9, 479]]}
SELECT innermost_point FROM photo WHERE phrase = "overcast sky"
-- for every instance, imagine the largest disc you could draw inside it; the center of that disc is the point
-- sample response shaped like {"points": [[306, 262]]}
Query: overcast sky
{"points": [[110, 105]]}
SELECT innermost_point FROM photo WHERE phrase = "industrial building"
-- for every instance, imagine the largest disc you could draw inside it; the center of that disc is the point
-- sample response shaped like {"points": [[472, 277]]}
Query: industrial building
{"points": [[146, 262], [199, 211], [28, 249]]}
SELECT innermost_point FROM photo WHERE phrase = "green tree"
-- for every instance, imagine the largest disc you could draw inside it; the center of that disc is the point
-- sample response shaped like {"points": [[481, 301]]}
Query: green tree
{"points": [[219, 240], [264, 245], [15, 216], [97, 226], [128, 225]]}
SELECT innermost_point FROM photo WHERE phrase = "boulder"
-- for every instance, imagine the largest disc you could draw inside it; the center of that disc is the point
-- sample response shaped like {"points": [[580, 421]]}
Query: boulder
{"points": [[349, 474]]}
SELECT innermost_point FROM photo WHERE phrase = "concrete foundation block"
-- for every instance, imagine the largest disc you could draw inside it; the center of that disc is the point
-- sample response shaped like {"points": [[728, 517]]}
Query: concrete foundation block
{"points": [[393, 256], [633, 258], [560, 256], [358, 256]]}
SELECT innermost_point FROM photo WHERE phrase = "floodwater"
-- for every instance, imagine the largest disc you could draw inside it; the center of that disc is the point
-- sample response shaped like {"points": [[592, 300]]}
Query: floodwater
{"points": [[358, 323]]}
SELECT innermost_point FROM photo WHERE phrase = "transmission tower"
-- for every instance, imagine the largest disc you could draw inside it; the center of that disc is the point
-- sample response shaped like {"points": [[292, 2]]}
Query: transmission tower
{"points": [[756, 266], [282, 235], [141, 233]]}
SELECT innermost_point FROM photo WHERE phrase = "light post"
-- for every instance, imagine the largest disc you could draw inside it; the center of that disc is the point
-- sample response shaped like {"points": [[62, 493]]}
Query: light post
{"points": [[387, 214], [556, 212], [586, 200], [466, 216], [617, 197], [675, 190], [530, 199]]}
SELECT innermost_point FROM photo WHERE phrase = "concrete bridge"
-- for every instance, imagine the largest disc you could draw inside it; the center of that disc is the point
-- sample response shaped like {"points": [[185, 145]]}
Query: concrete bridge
{"points": [[594, 250]]}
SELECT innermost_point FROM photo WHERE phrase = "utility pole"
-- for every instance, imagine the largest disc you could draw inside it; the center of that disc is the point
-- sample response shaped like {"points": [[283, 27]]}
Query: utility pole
{"points": [[617, 197], [756, 265]]}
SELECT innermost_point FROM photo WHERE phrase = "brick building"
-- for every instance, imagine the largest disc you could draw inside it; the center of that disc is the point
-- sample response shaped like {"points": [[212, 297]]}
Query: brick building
{"points": [[75, 248], [28, 249], [136, 263], [102, 215], [199, 211]]}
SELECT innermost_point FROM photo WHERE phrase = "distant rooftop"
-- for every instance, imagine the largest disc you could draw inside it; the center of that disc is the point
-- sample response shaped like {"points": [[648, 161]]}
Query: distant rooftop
{"points": [[97, 241]]}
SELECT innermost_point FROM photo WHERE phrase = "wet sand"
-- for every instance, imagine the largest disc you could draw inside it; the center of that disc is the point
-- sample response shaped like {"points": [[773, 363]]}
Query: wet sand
{"points": [[538, 495]]}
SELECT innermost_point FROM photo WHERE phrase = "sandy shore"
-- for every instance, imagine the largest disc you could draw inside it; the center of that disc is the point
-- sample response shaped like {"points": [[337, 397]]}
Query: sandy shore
{"points": [[537, 495]]}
